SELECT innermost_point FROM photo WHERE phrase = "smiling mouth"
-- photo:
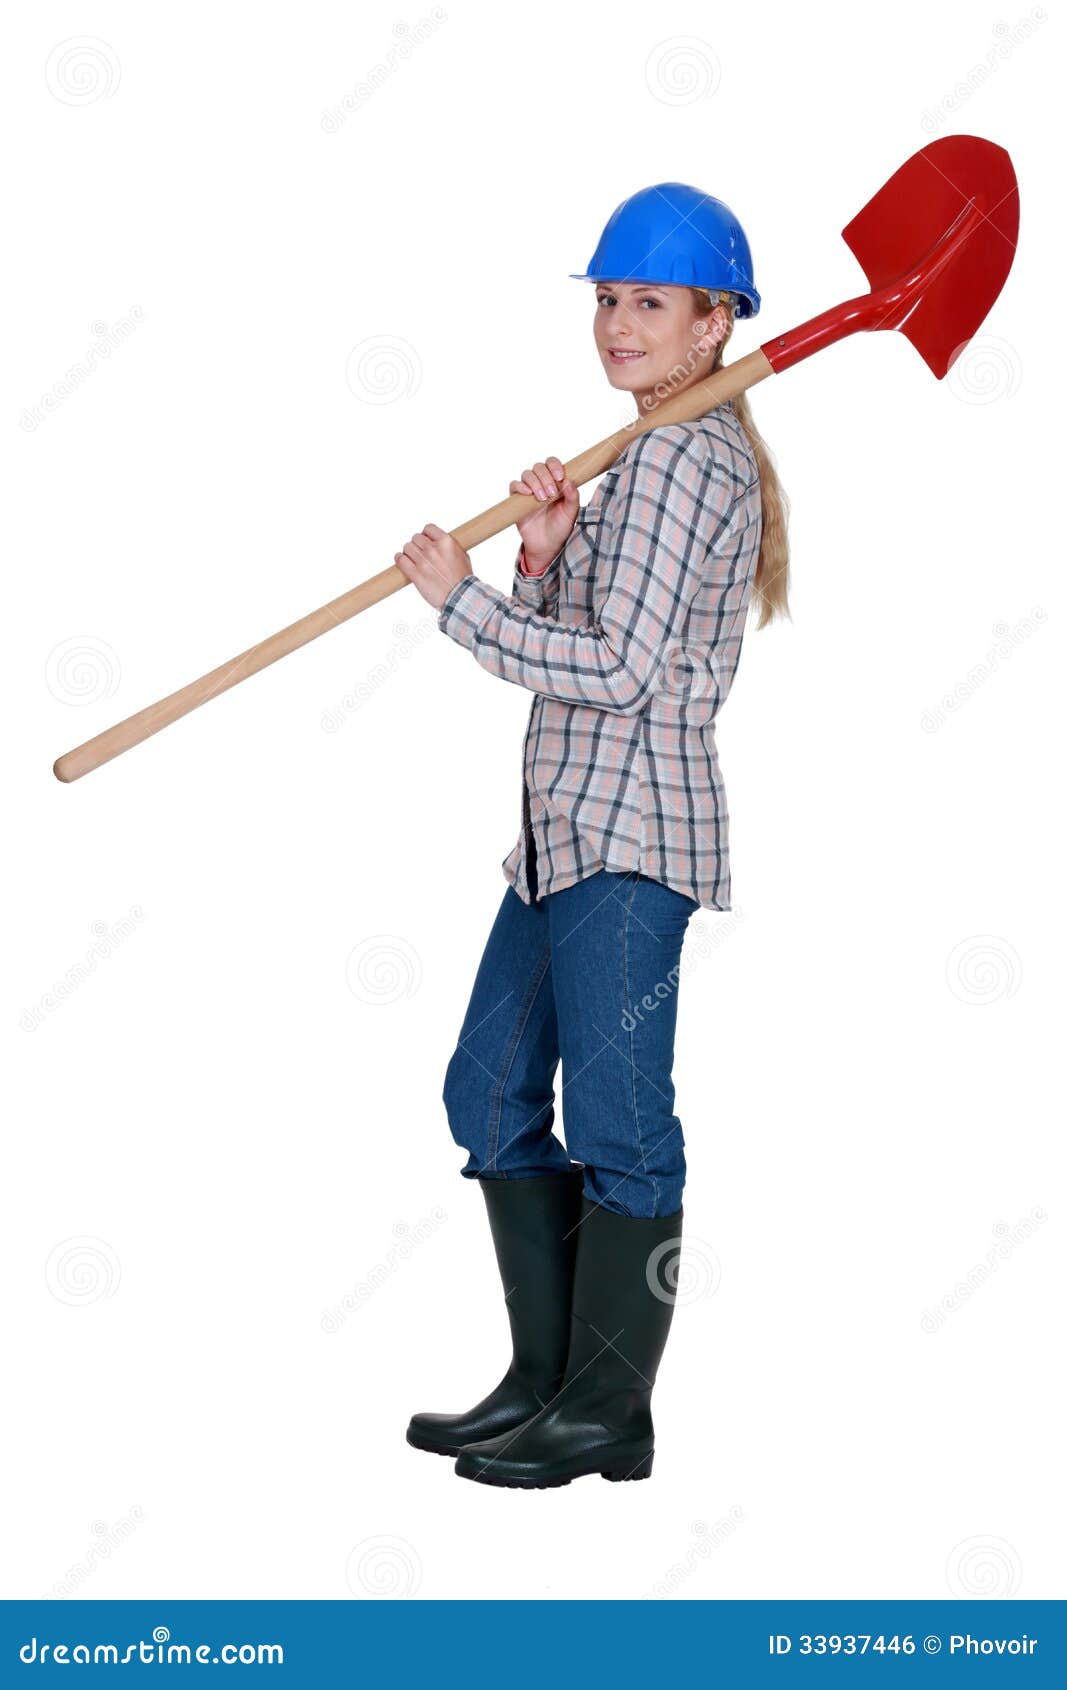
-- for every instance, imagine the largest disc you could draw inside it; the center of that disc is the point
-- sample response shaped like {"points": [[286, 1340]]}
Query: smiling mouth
{"points": [[623, 357]]}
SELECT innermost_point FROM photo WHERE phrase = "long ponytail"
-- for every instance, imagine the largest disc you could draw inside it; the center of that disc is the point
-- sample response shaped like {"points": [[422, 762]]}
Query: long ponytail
{"points": [[771, 586]]}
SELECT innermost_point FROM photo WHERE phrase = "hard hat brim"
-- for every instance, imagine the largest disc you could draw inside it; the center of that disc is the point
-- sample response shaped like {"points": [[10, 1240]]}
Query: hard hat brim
{"points": [[747, 304]]}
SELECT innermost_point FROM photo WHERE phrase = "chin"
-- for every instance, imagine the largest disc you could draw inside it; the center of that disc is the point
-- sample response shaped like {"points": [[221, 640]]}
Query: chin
{"points": [[628, 380]]}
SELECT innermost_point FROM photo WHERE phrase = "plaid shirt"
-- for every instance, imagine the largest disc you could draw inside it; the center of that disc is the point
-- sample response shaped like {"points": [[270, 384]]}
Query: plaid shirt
{"points": [[629, 641]]}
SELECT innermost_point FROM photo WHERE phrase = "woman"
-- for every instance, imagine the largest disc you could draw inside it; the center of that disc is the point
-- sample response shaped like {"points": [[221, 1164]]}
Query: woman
{"points": [[626, 622]]}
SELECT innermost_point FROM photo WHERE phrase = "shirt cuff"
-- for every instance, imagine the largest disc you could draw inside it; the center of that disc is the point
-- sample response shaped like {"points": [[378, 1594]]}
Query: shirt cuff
{"points": [[532, 574], [532, 590], [466, 607]]}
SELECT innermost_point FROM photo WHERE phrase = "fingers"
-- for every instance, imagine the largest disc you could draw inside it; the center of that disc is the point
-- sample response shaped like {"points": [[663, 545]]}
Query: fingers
{"points": [[545, 480], [415, 553], [539, 482]]}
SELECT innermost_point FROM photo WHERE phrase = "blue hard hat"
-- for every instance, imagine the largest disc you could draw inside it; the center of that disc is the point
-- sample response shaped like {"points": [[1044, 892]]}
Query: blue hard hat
{"points": [[673, 234]]}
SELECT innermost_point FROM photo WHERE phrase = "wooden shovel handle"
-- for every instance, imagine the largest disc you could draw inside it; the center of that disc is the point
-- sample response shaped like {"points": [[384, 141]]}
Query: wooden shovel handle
{"points": [[686, 406]]}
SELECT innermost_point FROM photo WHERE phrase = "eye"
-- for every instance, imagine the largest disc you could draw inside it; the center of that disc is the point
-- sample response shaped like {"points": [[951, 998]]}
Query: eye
{"points": [[655, 304], [602, 298]]}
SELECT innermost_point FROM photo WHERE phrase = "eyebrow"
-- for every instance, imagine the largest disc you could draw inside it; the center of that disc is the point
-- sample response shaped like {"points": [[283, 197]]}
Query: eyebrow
{"points": [[638, 287]]}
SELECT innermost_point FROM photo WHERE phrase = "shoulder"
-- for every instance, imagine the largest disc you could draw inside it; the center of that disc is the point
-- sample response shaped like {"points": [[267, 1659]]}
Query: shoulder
{"points": [[656, 448], [711, 448]]}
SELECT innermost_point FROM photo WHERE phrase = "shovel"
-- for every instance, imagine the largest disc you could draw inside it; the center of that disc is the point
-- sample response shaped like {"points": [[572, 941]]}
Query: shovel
{"points": [[935, 243]]}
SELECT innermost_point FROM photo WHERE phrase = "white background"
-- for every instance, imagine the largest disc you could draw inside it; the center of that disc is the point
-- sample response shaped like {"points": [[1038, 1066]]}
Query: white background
{"points": [[233, 1120]]}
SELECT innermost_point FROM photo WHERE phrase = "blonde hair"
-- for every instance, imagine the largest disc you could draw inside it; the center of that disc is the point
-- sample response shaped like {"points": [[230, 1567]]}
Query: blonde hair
{"points": [[770, 589]]}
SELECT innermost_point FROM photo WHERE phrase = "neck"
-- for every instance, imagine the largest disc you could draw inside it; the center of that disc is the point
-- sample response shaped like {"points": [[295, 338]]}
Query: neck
{"points": [[648, 399]]}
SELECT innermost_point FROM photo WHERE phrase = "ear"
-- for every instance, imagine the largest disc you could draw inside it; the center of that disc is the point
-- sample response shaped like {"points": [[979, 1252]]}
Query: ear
{"points": [[711, 329]]}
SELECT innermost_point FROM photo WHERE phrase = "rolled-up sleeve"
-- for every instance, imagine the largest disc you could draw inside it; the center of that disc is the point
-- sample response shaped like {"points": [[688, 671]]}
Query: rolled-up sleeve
{"points": [[673, 502]]}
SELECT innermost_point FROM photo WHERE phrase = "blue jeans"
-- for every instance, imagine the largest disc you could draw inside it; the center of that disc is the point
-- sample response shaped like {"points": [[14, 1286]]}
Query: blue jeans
{"points": [[590, 975]]}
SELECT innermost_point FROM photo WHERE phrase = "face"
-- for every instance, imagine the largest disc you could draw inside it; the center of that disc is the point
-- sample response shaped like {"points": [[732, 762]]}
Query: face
{"points": [[650, 339]]}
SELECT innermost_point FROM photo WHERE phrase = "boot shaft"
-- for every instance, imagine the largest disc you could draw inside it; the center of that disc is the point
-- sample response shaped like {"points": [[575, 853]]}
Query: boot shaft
{"points": [[534, 1225], [625, 1287]]}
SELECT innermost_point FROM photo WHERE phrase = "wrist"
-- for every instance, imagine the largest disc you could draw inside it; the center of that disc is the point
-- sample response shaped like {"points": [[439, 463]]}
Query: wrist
{"points": [[531, 565]]}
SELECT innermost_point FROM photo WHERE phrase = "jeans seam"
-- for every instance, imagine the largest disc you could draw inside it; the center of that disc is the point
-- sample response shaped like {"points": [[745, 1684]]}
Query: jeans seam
{"points": [[496, 1098], [633, 1064]]}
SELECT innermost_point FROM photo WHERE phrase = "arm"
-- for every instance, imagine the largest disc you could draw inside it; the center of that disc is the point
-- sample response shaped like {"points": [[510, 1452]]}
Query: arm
{"points": [[670, 504]]}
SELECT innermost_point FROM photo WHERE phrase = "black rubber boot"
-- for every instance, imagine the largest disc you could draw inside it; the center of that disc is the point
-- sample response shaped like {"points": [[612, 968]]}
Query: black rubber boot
{"points": [[534, 1223], [601, 1420]]}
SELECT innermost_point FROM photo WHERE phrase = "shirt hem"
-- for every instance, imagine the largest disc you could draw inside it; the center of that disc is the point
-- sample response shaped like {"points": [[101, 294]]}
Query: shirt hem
{"points": [[559, 883]]}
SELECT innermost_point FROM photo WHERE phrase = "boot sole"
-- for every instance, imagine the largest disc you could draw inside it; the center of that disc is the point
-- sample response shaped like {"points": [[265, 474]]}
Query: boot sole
{"points": [[617, 1472]]}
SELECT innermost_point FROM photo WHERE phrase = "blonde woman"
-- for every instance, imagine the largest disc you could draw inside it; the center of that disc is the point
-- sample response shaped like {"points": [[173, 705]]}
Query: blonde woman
{"points": [[626, 622]]}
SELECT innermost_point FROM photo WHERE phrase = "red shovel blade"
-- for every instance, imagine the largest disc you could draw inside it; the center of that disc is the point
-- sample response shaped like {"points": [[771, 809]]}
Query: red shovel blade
{"points": [[913, 211]]}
